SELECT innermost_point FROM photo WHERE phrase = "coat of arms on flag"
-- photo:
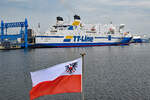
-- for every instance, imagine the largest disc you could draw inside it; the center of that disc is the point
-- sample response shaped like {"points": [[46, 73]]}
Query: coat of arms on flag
{"points": [[71, 67]]}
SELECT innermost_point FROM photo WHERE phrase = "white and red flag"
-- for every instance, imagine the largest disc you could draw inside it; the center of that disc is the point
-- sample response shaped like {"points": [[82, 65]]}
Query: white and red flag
{"points": [[61, 78]]}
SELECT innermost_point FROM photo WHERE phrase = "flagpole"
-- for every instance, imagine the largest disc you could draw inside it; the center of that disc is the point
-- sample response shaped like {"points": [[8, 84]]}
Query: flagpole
{"points": [[82, 94]]}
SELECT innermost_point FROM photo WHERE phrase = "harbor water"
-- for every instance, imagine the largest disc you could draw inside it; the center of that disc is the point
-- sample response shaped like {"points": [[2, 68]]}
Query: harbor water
{"points": [[111, 72]]}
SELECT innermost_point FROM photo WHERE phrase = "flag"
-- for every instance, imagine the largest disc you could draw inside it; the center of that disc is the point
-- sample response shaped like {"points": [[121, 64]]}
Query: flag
{"points": [[61, 78]]}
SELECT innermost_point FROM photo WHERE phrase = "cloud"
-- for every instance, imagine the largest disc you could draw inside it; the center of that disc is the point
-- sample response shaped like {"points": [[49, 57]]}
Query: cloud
{"points": [[134, 13], [142, 4], [87, 9], [18, 1], [133, 3]]}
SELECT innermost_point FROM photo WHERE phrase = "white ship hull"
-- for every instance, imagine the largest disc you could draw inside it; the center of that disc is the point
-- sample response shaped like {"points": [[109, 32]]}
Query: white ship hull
{"points": [[77, 40]]}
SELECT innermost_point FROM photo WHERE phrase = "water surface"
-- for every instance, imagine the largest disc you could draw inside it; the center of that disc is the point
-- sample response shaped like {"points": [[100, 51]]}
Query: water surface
{"points": [[111, 72]]}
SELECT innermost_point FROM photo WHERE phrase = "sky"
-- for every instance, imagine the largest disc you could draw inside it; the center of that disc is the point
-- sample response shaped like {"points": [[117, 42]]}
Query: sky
{"points": [[135, 14]]}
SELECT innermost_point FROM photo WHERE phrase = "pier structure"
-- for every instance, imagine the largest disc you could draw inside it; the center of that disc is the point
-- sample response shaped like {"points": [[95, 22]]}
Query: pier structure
{"points": [[18, 39]]}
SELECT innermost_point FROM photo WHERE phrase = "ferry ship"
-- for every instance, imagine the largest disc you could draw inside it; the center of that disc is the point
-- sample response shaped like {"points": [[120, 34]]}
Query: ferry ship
{"points": [[78, 34], [136, 39], [140, 39]]}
